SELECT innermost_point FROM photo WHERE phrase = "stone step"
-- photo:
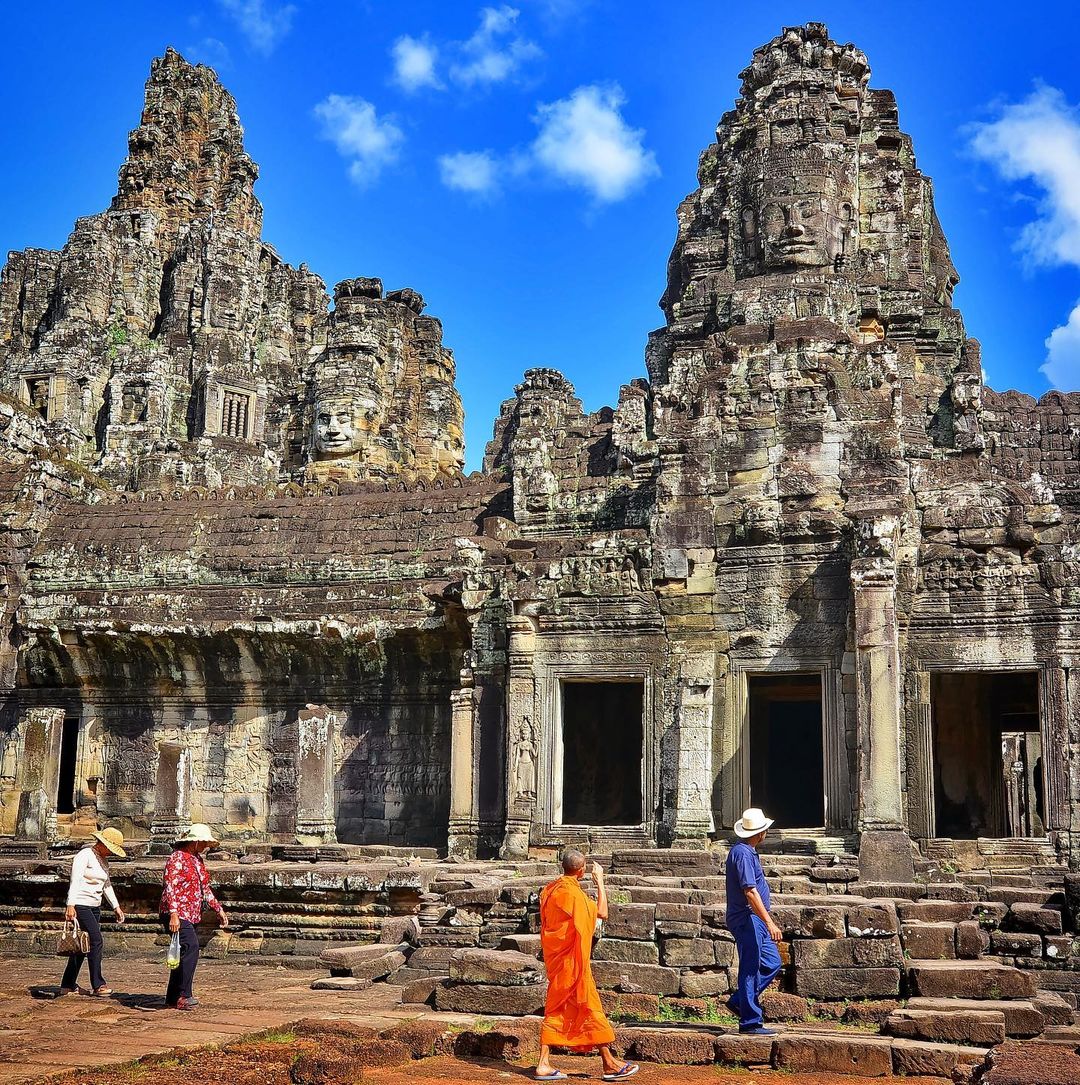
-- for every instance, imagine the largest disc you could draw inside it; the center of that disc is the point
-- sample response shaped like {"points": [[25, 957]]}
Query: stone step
{"points": [[1022, 1019], [969, 979], [977, 1027]]}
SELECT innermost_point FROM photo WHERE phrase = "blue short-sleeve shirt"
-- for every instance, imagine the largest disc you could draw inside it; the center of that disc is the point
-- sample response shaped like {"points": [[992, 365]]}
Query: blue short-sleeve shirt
{"points": [[743, 871]]}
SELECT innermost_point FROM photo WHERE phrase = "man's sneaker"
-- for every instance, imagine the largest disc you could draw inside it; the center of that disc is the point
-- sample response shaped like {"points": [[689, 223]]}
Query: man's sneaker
{"points": [[757, 1030], [184, 1004], [193, 1001]]}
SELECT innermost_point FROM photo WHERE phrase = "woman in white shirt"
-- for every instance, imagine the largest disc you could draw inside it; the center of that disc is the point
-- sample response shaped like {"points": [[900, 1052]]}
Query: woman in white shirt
{"points": [[89, 882]]}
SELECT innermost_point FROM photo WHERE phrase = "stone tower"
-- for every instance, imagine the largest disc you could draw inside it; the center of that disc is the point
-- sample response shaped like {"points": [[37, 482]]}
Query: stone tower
{"points": [[168, 345]]}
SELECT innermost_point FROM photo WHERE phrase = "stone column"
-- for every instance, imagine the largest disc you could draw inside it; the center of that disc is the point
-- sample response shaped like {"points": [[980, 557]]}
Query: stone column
{"points": [[693, 819], [464, 818], [920, 757], [39, 761], [522, 741], [884, 847], [315, 820]]}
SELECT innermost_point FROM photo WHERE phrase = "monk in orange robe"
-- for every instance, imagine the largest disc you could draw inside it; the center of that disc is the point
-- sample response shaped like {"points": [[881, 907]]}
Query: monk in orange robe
{"points": [[573, 1015]]}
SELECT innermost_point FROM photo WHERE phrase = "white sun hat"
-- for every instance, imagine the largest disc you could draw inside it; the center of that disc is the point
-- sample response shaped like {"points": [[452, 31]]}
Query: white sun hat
{"points": [[197, 834], [751, 823]]}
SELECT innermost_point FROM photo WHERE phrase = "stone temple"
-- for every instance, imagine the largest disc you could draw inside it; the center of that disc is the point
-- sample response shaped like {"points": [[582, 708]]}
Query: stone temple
{"points": [[809, 563]]}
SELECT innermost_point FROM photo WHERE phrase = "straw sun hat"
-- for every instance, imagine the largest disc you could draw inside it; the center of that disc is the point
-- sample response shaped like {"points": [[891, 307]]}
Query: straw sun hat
{"points": [[197, 834], [751, 823], [113, 839]]}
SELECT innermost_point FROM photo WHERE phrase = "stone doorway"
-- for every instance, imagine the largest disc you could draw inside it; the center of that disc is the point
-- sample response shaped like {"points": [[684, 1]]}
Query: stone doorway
{"points": [[787, 754], [65, 777], [989, 772], [602, 745]]}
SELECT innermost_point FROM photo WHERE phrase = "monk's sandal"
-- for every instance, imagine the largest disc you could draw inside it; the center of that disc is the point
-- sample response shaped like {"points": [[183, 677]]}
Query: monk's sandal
{"points": [[629, 1069]]}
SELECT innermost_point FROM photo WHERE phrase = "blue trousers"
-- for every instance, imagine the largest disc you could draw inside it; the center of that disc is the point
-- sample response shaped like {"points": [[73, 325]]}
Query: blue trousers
{"points": [[759, 965]]}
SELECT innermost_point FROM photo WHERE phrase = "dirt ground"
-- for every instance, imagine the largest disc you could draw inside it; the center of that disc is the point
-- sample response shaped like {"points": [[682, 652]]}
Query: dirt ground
{"points": [[79, 1040]]}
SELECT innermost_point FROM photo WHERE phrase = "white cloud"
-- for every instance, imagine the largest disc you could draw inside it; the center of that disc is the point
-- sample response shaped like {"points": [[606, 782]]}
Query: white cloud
{"points": [[493, 54], [414, 63], [1062, 368], [469, 171], [584, 141], [1038, 140], [264, 24], [359, 134]]}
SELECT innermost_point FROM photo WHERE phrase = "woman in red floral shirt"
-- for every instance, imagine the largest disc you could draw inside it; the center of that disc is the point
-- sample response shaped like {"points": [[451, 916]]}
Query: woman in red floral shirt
{"points": [[187, 887]]}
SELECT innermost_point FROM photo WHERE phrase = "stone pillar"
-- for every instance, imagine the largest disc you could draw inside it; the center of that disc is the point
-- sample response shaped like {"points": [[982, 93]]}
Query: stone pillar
{"points": [[522, 740], [920, 757], [39, 762], [884, 847], [693, 819], [464, 817], [315, 820]]}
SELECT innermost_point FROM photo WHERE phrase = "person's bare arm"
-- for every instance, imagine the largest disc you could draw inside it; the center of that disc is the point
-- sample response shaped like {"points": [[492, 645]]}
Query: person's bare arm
{"points": [[601, 892], [757, 906]]}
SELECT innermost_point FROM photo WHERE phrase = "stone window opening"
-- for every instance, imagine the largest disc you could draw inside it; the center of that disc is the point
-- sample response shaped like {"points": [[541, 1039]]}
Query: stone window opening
{"points": [[602, 752], [989, 770], [65, 777], [787, 751], [235, 414], [37, 395]]}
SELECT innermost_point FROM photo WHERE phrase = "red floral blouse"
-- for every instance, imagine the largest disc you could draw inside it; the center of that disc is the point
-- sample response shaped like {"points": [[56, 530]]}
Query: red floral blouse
{"points": [[187, 885]]}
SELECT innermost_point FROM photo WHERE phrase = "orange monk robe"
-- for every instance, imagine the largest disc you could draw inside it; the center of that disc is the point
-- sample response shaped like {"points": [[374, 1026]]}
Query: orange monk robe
{"points": [[573, 1014]]}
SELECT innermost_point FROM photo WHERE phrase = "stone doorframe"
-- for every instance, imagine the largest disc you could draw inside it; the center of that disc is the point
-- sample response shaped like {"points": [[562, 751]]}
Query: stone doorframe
{"points": [[1053, 728], [734, 753], [550, 679]]}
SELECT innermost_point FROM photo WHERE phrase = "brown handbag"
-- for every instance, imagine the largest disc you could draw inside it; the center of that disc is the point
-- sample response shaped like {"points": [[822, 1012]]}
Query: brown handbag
{"points": [[73, 940]]}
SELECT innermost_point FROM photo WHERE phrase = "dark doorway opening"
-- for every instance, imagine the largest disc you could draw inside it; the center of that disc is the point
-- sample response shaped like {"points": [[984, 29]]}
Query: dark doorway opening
{"points": [[65, 784], [787, 755], [988, 756], [602, 731]]}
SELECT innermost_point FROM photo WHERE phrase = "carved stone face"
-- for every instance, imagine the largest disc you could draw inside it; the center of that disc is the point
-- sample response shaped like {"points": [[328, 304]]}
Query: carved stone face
{"points": [[336, 429], [802, 231]]}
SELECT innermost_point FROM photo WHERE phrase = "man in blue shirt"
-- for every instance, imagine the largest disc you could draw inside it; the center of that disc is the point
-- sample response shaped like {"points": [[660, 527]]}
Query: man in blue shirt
{"points": [[749, 921]]}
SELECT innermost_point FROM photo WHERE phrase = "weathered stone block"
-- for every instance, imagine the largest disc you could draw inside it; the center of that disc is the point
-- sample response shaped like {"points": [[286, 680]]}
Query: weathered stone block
{"points": [[504, 967], [913, 1058], [631, 951], [370, 962], [872, 921], [704, 984], [969, 979], [639, 1007], [985, 1027], [1016, 944], [972, 941], [1030, 917], [929, 941], [680, 1047], [520, 1001], [866, 1057], [650, 979], [687, 952], [840, 983], [631, 921], [735, 1050]]}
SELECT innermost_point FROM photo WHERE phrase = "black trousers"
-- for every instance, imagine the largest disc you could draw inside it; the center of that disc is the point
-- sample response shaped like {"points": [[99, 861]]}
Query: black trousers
{"points": [[90, 921], [180, 977]]}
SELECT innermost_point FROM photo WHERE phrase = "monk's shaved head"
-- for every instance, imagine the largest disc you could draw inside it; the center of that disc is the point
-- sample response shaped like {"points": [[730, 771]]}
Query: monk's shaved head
{"points": [[572, 861]]}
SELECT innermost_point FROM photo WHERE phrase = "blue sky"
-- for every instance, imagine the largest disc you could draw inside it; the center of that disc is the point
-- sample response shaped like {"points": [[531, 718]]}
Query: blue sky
{"points": [[520, 164]]}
